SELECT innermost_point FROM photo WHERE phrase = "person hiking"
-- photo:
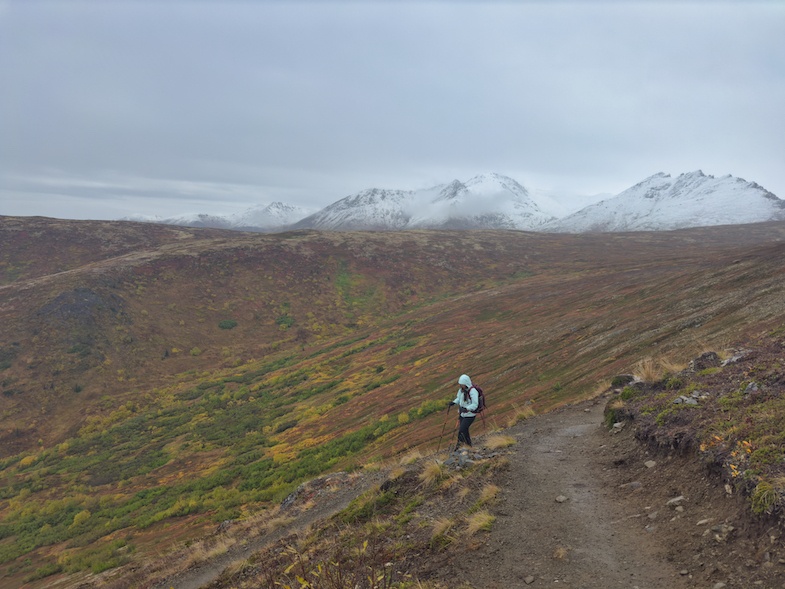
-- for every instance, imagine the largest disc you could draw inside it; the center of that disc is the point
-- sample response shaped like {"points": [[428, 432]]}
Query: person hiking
{"points": [[468, 400]]}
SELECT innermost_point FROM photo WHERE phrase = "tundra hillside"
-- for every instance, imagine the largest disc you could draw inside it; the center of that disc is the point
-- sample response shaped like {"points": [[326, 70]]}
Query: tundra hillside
{"points": [[158, 380]]}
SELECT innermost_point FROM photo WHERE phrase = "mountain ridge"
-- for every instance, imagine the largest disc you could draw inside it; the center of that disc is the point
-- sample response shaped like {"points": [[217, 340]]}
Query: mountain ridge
{"points": [[689, 200], [494, 201]]}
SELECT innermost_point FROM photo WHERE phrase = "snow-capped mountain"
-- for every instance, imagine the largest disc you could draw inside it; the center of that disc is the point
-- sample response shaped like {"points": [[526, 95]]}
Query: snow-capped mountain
{"points": [[372, 209], [198, 220], [272, 217], [661, 202], [494, 201], [487, 201], [266, 218]]}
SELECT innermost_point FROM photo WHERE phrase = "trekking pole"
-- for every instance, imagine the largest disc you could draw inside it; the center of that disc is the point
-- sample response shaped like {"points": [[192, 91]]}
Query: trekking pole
{"points": [[439, 445]]}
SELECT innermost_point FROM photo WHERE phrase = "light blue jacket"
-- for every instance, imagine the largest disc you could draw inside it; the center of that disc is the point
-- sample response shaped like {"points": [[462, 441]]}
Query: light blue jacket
{"points": [[466, 408]]}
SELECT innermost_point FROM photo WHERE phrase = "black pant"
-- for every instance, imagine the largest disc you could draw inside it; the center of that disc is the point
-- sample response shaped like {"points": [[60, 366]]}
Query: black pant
{"points": [[464, 423]]}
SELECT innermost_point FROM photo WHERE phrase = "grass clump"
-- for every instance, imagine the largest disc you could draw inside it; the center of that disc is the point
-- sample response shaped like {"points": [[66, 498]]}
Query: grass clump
{"points": [[765, 498], [411, 457], [488, 494], [480, 521], [432, 473], [497, 441], [440, 532], [521, 414], [648, 370], [368, 506]]}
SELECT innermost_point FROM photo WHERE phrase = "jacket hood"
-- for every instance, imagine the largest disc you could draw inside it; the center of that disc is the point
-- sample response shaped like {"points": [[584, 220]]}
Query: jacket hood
{"points": [[464, 379]]}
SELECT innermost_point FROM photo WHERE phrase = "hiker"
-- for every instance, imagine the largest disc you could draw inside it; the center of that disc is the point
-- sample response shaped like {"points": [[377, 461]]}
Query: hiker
{"points": [[468, 400]]}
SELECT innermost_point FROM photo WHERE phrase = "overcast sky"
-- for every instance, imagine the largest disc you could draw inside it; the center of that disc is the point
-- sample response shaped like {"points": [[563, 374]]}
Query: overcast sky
{"points": [[112, 108]]}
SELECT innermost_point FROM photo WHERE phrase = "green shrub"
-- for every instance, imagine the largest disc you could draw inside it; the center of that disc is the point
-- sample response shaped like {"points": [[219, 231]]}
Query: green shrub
{"points": [[227, 324], [673, 383], [285, 321], [47, 570], [627, 393], [765, 456], [619, 381], [671, 412], [364, 508]]}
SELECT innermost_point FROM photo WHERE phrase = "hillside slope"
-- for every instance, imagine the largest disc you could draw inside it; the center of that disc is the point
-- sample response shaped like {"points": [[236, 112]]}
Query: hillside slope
{"points": [[149, 393], [599, 506]]}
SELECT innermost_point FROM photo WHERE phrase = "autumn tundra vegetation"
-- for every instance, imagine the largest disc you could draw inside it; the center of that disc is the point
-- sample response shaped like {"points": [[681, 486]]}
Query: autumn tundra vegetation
{"points": [[160, 381]]}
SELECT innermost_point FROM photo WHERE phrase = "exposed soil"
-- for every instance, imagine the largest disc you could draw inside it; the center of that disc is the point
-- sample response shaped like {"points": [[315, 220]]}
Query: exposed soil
{"points": [[561, 520], [581, 509]]}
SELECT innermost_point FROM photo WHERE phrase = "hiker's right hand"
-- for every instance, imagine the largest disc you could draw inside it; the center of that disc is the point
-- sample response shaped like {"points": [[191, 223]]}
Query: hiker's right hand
{"points": [[451, 403]]}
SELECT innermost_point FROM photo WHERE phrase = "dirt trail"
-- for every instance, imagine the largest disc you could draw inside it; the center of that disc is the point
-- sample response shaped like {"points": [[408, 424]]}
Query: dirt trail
{"points": [[558, 524], [564, 519]]}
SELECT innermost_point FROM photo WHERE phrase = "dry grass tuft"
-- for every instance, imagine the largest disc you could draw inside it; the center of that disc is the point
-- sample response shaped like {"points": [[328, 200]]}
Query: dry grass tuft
{"points": [[462, 493], [206, 550], [499, 464], [431, 473], [481, 520], [489, 493], [599, 391], [648, 370], [497, 441], [279, 522], [396, 473], [441, 526], [493, 426], [560, 553], [411, 457], [672, 367], [521, 414], [449, 482]]}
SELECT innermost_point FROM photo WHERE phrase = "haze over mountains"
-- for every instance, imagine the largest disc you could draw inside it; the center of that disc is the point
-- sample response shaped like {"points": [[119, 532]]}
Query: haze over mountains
{"points": [[494, 201]]}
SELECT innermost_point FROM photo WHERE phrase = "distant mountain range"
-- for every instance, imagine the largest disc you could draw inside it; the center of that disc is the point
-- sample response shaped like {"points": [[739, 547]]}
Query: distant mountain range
{"points": [[272, 217], [494, 201]]}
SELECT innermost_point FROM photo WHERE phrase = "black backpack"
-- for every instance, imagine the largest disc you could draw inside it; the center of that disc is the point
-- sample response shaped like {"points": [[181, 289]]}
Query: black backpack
{"points": [[481, 405]]}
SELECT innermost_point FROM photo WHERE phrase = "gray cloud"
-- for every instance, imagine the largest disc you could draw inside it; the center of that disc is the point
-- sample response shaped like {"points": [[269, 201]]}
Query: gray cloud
{"points": [[140, 107]]}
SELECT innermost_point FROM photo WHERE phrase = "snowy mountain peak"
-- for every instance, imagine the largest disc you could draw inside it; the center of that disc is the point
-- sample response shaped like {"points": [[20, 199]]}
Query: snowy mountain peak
{"points": [[492, 182], [272, 216], [689, 200], [452, 191], [487, 201]]}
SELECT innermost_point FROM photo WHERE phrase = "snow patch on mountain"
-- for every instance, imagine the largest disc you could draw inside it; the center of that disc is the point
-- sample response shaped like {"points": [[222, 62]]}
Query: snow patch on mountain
{"points": [[661, 202], [199, 220], [370, 209], [487, 201], [276, 215], [559, 203], [272, 217]]}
